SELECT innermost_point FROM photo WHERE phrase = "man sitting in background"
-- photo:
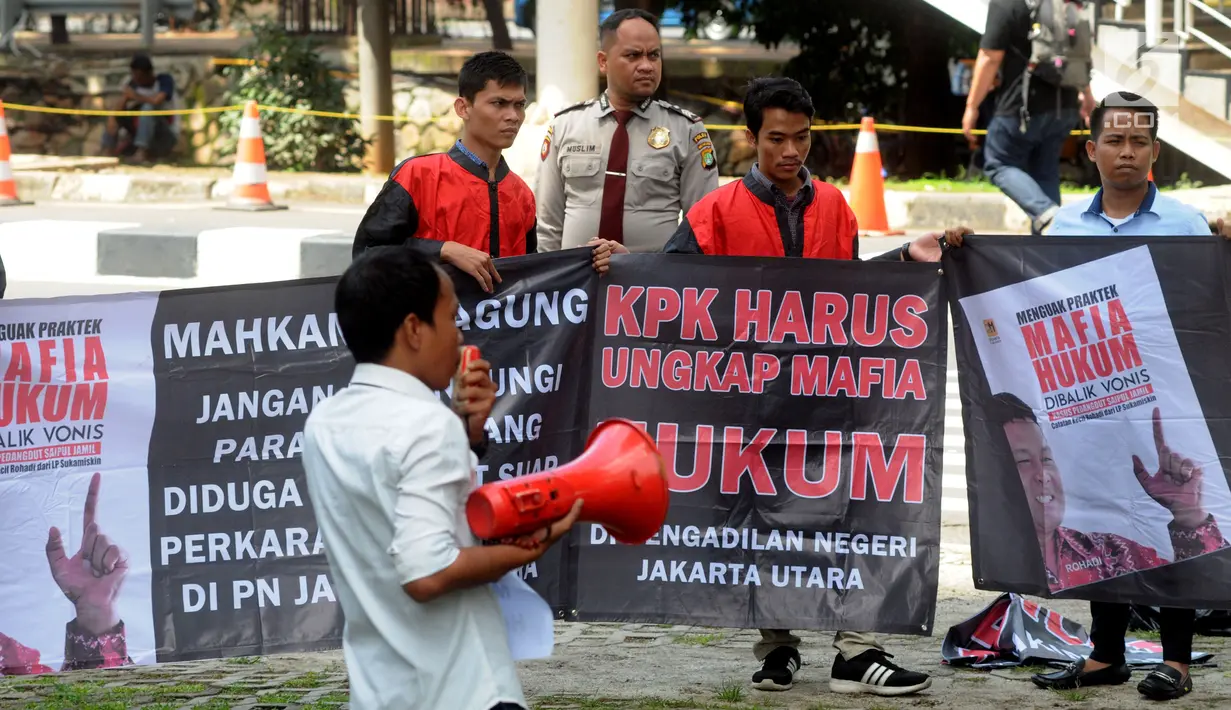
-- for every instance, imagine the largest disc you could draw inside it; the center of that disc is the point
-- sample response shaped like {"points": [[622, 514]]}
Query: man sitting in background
{"points": [[149, 137]]}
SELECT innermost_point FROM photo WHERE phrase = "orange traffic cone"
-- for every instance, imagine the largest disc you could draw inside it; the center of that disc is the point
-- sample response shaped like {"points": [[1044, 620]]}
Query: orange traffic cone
{"points": [[868, 185], [249, 190], [8, 185]]}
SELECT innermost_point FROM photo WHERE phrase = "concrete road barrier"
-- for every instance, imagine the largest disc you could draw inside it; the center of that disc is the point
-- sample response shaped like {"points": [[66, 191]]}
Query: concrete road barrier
{"points": [[154, 252], [324, 255]]}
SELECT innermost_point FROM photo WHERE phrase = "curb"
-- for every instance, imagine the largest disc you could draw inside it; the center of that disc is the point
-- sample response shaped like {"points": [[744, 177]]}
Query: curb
{"points": [[139, 188]]}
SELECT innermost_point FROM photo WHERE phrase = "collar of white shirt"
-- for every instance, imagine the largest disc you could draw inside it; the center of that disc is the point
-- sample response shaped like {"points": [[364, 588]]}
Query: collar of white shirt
{"points": [[385, 377]]}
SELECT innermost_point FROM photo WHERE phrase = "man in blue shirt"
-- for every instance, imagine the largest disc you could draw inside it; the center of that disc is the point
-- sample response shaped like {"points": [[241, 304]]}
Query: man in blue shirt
{"points": [[1124, 145], [150, 137]]}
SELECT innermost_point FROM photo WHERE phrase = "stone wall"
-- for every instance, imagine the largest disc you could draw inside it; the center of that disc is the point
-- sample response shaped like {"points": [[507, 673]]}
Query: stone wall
{"points": [[92, 84], [430, 125]]}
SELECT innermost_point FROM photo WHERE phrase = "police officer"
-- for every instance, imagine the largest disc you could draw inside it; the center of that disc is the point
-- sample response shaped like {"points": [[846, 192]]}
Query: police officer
{"points": [[623, 166]]}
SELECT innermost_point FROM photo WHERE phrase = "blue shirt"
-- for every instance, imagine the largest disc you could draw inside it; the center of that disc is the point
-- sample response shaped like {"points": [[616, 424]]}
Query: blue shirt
{"points": [[466, 151], [1158, 215]]}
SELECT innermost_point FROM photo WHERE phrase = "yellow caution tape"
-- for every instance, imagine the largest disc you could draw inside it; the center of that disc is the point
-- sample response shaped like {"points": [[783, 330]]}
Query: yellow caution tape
{"points": [[112, 112], [403, 119], [882, 127]]}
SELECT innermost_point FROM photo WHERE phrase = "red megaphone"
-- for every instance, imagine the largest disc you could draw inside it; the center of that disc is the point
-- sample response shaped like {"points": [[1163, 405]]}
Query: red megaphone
{"points": [[620, 475]]}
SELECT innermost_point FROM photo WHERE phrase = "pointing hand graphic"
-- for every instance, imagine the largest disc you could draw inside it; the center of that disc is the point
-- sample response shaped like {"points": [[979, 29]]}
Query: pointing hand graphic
{"points": [[92, 577], [1177, 485]]}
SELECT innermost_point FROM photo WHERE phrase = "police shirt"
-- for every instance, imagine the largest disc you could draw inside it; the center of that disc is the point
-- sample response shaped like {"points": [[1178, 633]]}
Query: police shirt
{"points": [[671, 166]]}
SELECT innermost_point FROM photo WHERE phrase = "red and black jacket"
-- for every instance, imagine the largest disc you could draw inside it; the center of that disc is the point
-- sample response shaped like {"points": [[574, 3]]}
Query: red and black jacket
{"points": [[447, 197], [746, 218]]}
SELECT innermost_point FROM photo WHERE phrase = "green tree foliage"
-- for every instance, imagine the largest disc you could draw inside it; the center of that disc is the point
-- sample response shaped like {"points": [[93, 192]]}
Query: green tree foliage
{"points": [[852, 56], [289, 72]]}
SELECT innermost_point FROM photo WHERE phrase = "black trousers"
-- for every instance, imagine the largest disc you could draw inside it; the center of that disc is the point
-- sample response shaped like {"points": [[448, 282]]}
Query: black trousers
{"points": [[1110, 624]]}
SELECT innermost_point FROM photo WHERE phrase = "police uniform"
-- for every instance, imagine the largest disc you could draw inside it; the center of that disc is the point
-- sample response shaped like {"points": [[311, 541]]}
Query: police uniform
{"points": [[670, 166]]}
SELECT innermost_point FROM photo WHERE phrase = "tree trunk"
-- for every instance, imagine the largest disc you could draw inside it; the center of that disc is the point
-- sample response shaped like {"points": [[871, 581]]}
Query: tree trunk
{"points": [[500, 28], [375, 84], [59, 29]]}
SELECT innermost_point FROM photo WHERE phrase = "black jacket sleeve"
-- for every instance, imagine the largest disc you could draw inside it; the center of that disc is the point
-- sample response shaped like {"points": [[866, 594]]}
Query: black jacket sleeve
{"points": [[392, 220], [891, 255], [684, 241], [532, 239]]}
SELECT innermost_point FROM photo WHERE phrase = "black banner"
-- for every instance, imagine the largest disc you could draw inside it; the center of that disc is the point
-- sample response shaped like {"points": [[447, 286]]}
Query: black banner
{"points": [[801, 424], [1097, 413], [237, 559], [238, 563], [535, 332], [801, 427]]}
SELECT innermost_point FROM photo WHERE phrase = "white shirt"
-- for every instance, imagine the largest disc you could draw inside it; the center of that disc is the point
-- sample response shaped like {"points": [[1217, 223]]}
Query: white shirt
{"points": [[389, 468]]}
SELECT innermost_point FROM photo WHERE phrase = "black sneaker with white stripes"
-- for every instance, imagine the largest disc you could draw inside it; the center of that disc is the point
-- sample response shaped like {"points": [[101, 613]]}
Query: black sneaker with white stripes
{"points": [[872, 672], [777, 670]]}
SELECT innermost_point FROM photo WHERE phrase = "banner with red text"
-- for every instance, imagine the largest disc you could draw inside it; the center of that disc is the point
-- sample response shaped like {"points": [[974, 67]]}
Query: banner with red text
{"points": [[1097, 413], [152, 494], [76, 410], [799, 407], [154, 506]]}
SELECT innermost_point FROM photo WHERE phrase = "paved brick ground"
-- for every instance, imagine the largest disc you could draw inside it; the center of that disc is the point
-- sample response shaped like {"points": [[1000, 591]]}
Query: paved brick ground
{"points": [[621, 667]]}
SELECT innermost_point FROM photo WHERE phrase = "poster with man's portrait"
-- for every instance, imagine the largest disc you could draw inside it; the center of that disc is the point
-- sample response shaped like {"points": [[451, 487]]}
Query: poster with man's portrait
{"points": [[1090, 399]]}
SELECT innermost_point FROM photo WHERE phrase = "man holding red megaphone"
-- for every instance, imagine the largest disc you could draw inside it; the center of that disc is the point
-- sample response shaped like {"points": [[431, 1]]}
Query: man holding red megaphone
{"points": [[389, 469]]}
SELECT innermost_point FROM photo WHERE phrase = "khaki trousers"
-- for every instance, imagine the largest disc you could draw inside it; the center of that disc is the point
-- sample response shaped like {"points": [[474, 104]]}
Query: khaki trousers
{"points": [[848, 643]]}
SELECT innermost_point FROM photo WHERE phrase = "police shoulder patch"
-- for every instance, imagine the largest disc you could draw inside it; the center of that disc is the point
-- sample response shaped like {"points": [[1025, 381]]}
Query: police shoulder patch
{"points": [[680, 110], [551, 130], [574, 107], [708, 159]]}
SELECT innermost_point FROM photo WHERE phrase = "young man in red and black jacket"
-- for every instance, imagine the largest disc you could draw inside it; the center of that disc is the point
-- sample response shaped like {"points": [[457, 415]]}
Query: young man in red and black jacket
{"points": [[779, 209], [465, 207]]}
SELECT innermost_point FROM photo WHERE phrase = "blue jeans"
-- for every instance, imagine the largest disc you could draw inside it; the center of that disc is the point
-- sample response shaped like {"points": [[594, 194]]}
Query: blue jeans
{"points": [[151, 133], [1026, 166]]}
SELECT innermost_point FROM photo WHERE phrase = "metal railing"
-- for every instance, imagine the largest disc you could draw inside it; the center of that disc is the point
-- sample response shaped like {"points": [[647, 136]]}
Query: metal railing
{"points": [[414, 17], [1183, 24], [1186, 28]]}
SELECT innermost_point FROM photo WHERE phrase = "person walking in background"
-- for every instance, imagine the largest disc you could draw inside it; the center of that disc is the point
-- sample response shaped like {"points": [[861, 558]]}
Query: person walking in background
{"points": [[624, 166], [1042, 48]]}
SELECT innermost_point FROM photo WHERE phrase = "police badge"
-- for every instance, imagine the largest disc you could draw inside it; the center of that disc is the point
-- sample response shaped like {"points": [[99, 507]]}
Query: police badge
{"points": [[659, 138]]}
